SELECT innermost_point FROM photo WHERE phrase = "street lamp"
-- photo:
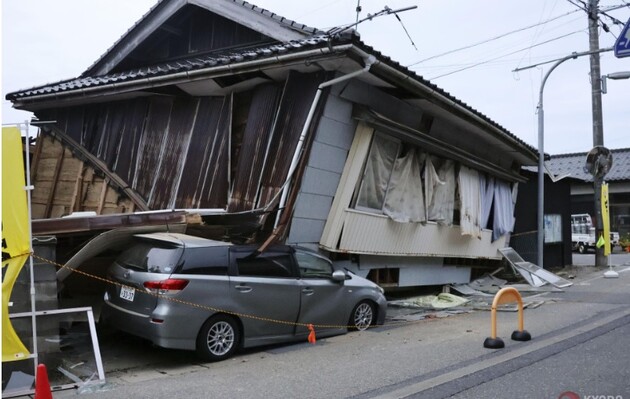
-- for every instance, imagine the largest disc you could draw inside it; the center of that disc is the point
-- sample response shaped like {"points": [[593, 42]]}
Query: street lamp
{"points": [[614, 76], [541, 149]]}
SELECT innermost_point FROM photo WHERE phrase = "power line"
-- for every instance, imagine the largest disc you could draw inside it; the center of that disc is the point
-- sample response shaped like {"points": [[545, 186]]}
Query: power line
{"points": [[492, 38], [504, 55]]}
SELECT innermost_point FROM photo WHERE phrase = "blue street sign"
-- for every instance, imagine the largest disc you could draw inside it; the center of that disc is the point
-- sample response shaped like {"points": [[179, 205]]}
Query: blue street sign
{"points": [[622, 45]]}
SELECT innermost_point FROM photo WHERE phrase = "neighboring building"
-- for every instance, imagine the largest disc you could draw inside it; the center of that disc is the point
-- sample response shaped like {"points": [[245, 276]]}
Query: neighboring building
{"points": [[230, 113], [557, 251], [582, 194]]}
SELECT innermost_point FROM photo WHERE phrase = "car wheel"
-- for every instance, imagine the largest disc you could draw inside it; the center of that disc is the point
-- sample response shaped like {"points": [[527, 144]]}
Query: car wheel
{"points": [[362, 316], [218, 339], [581, 248]]}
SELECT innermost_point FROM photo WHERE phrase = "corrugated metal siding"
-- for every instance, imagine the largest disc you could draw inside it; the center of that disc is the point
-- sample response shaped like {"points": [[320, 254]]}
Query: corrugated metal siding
{"points": [[296, 101], [251, 155], [150, 148], [175, 152], [377, 234], [206, 156], [135, 115]]}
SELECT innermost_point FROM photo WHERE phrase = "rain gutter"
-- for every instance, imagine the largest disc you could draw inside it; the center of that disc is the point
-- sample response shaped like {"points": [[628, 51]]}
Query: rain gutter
{"points": [[180, 77], [369, 60]]}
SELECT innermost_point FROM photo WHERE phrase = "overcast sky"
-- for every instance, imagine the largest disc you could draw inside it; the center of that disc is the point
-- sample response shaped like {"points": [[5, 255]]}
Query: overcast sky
{"points": [[45, 41]]}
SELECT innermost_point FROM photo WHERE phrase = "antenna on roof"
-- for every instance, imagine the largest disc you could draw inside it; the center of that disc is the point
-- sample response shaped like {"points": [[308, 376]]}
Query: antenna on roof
{"points": [[385, 11]]}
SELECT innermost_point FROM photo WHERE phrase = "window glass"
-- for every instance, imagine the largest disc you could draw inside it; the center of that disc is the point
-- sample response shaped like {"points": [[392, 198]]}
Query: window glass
{"points": [[264, 265], [313, 266], [209, 261], [377, 172], [152, 257]]}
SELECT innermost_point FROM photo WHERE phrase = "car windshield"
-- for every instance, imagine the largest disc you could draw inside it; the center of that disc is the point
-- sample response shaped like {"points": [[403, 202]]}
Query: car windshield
{"points": [[150, 257]]}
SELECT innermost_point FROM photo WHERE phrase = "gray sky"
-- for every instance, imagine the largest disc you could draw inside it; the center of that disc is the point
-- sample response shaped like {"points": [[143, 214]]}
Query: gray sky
{"points": [[46, 41]]}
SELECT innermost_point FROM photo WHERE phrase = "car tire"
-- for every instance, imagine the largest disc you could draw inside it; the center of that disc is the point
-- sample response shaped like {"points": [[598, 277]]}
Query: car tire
{"points": [[219, 338], [362, 317], [581, 248]]}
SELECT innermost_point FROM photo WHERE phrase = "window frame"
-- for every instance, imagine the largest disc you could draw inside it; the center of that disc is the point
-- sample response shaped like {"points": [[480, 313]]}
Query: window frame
{"points": [[299, 253]]}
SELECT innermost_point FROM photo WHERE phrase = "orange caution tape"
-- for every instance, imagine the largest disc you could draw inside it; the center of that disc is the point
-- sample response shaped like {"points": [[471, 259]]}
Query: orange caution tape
{"points": [[311, 335]]}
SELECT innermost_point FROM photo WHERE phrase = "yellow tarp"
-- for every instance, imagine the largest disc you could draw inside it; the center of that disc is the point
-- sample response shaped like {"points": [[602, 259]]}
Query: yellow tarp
{"points": [[15, 234]]}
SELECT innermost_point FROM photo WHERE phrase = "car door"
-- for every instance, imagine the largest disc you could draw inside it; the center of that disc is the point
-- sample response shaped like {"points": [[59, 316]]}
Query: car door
{"points": [[322, 298], [265, 293]]}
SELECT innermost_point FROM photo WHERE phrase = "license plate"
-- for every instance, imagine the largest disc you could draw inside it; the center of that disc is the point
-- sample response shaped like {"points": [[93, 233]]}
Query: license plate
{"points": [[127, 293]]}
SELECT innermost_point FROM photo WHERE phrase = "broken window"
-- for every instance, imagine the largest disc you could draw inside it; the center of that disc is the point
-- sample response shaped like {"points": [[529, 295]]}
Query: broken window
{"points": [[403, 182]]}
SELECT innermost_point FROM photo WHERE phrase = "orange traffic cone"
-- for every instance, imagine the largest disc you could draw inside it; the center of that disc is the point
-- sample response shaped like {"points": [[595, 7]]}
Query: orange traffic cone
{"points": [[311, 335], [42, 386]]}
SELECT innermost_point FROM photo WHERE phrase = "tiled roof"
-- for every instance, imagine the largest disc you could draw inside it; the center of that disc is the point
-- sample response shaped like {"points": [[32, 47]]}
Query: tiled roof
{"points": [[574, 164], [169, 68], [234, 57]]}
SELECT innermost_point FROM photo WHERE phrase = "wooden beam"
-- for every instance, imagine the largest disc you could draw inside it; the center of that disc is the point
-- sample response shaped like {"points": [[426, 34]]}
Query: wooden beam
{"points": [[101, 200], [51, 193], [36, 155], [75, 205]]}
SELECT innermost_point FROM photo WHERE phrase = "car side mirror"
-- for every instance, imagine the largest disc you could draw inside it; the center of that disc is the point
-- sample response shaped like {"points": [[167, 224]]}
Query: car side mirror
{"points": [[339, 275]]}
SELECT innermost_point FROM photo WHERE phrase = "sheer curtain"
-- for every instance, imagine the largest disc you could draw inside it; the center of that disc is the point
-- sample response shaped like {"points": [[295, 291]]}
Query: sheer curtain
{"points": [[470, 198], [404, 201]]}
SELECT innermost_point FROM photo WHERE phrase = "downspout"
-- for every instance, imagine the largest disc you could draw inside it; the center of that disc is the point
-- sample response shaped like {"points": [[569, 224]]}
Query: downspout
{"points": [[369, 61]]}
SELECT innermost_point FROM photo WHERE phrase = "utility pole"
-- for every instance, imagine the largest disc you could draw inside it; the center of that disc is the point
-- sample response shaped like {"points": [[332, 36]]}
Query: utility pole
{"points": [[598, 128]]}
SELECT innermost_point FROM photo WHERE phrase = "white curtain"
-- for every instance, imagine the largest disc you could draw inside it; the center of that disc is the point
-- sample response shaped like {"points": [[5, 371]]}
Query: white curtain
{"points": [[377, 171], [470, 196], [440, 190], [503, 210], [404, 201]]}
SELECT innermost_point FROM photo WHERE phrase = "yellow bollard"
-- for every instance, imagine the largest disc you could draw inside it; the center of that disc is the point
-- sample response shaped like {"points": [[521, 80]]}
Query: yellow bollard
{"points": [[506, 295]]}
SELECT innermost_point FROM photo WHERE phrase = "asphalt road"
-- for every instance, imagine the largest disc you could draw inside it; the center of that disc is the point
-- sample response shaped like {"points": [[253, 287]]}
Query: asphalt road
{"points": [[581, 343]]}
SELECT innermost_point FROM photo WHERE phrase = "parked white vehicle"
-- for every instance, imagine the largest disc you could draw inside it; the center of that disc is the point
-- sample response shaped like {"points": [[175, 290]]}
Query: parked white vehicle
{"points": [[583, 233]]}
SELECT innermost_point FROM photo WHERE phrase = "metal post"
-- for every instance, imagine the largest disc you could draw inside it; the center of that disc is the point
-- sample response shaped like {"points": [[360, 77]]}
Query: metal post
{"points": [[28, 189], [598, 130], [541, 153]]}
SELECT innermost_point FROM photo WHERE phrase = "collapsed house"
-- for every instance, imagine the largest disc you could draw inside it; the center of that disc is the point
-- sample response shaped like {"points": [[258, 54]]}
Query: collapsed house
{"points": [[227, 121]]}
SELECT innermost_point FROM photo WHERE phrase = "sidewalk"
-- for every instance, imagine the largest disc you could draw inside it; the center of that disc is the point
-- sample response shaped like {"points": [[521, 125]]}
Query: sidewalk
{"points": [[365, 364]]}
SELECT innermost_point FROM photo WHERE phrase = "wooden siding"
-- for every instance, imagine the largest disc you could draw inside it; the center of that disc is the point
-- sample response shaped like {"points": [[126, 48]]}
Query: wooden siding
{"points": [[191, 30]]}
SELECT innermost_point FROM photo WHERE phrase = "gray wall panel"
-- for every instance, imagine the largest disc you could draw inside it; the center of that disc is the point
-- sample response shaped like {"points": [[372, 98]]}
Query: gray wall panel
{"points": [[338, 109], [323, 182], [327, 157], [311, 206], [335, 133], [305, 231]]}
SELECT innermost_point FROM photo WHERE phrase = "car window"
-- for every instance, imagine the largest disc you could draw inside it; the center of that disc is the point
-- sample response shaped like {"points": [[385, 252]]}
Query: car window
{"points": [[150, 257], [313, 266], [209, 261], [264, 265]]}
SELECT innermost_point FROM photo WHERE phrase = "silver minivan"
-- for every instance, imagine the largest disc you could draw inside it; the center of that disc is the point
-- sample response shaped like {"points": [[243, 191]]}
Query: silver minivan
{"points": [[186, 292]]}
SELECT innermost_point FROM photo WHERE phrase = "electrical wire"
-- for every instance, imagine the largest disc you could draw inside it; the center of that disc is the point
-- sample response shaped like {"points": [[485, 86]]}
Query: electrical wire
{"points": [[504, 55], [492, 38]]}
